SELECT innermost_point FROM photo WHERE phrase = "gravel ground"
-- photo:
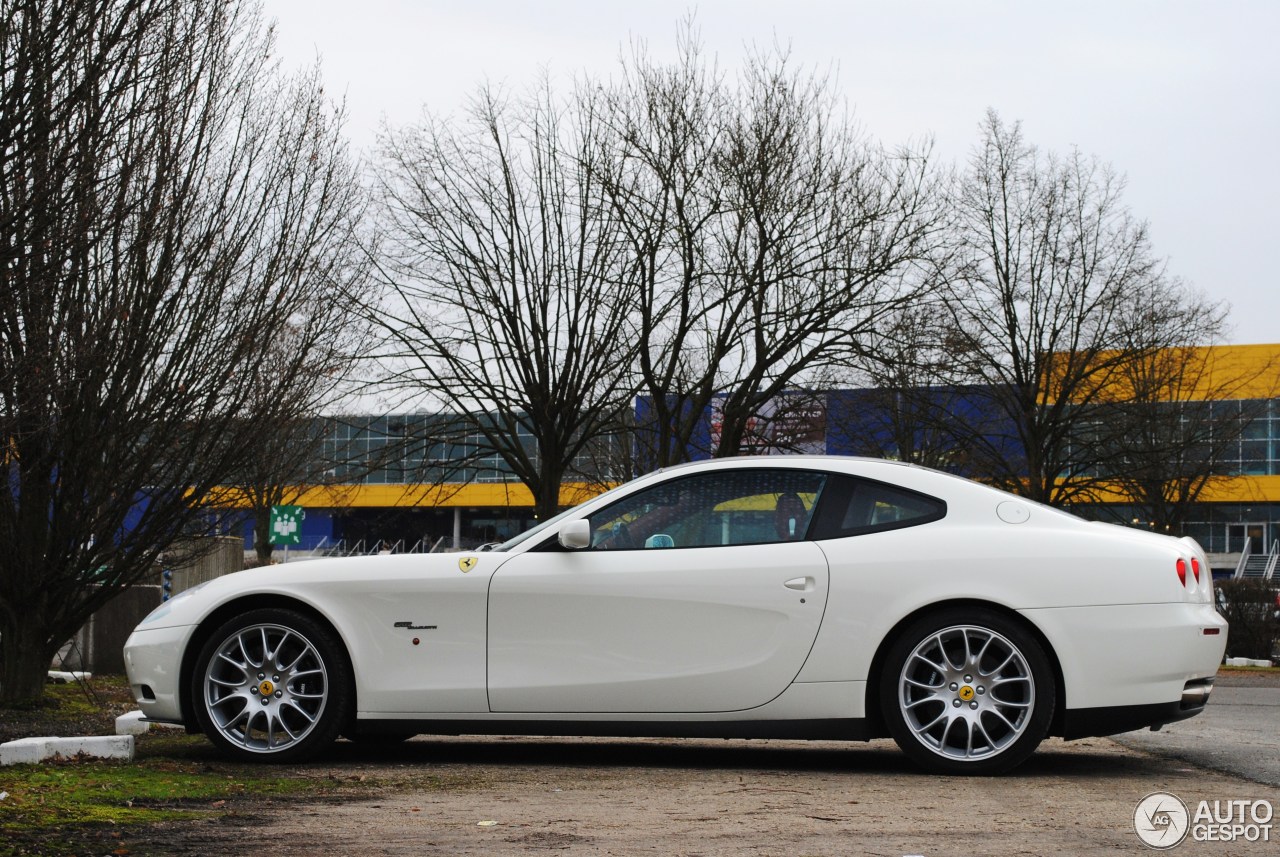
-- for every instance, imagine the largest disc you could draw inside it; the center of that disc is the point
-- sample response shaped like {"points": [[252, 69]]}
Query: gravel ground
{"points": [[509, 796], [514, 795]]}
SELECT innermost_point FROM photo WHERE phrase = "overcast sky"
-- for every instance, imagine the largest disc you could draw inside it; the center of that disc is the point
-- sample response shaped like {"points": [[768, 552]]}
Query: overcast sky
{"points": [[1182, 97]]}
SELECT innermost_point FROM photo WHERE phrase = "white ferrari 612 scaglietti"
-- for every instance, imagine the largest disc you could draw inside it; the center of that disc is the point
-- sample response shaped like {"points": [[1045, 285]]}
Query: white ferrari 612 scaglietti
{"points": [[779, 597]]}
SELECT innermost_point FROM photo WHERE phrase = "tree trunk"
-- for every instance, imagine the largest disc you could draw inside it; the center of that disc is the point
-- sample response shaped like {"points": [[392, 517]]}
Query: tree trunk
{"points": [[262, 534], [546, 498], [24, 662]]}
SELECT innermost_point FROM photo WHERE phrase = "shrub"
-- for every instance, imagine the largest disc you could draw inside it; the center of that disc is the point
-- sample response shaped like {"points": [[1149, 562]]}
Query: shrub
{"points": [[1250, 606]]}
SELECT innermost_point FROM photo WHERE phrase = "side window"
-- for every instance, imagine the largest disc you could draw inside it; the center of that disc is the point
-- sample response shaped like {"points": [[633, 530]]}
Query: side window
{"points": [[853, 507], [729, 507]]}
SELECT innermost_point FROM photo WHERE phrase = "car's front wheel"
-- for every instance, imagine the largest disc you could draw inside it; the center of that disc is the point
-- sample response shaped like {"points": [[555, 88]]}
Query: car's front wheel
{"points": [[272, 685], [967, 691]]}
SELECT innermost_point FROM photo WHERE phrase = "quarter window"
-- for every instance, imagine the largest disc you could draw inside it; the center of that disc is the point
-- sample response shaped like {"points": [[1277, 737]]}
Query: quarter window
{"points": [[854, 507]]}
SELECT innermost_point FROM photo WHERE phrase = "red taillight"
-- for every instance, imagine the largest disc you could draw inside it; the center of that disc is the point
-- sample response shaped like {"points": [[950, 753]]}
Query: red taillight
{"points": [[1195, 568], [1182, 571]]}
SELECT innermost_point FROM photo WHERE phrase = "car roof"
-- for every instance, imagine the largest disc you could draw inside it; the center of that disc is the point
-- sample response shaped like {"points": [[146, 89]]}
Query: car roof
{"points": [[783, 460]]}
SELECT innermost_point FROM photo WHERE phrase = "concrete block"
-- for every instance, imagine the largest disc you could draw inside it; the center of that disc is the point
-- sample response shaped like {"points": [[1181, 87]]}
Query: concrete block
{"points": [[63, 677], [131, 724], [1260, 663], [30, 750], [1238, 662], [24, 751]]}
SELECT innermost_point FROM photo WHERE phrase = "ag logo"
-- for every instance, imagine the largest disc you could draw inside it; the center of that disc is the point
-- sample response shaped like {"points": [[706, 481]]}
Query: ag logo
{"points": [[467, 563], [1161, 820]]}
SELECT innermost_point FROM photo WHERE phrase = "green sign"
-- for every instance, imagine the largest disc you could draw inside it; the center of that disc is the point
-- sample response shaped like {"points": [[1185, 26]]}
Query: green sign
{"points": [[286, 524]]}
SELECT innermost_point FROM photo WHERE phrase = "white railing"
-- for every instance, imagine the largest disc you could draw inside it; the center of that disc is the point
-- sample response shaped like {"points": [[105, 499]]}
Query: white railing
{"points": [[1244, 558]]}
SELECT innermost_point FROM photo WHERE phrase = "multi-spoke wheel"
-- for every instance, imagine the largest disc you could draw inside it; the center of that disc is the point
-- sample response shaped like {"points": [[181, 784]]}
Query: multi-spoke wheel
{"points": [[967, 691], [271, 684]]}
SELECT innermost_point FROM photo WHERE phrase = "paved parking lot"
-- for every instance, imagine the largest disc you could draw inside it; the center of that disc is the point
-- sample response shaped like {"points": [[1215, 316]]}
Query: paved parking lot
{"points": [[1239, 731], [509, 796]]}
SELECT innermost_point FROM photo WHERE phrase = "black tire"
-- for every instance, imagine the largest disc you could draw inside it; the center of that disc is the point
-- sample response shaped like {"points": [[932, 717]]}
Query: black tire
{"points": [[289, 659], [967, 691]]}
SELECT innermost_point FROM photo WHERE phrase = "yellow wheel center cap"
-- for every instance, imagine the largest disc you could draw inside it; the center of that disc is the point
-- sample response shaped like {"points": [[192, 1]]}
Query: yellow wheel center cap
{"points": [[966, 693], [266, 688]]}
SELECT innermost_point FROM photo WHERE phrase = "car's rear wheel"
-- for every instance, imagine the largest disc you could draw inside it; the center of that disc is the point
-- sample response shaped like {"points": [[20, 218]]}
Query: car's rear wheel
{"points": [[272, 685], [967, 691]]}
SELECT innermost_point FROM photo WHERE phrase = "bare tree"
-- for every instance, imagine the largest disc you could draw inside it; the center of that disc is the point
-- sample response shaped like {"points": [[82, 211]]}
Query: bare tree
{"points": [[169, 204], [289, 463], [660, 178], [907, 409], [509, 304], [768, 238], [1040, 315], [826, 236], [292, 456]]}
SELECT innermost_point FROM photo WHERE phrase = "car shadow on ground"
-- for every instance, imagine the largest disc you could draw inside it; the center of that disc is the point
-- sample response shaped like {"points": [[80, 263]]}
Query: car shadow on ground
{"points": [[1089, 759]]}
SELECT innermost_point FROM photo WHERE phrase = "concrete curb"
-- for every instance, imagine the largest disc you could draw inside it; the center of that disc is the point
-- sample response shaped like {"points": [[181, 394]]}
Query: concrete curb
{"points": [[28, 751]]}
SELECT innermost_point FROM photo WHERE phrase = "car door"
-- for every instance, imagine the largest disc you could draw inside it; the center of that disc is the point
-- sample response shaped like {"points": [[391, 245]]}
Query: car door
{"points": [[699, 594]]}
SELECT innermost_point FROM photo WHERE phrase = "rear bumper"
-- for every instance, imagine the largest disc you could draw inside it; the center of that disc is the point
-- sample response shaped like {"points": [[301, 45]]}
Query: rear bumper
{"points": [[1132, 656], [1112, 720]]}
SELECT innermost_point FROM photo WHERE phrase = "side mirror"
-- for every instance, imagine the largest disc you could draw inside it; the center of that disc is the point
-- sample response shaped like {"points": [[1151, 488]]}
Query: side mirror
{"points": [[575, 535]]}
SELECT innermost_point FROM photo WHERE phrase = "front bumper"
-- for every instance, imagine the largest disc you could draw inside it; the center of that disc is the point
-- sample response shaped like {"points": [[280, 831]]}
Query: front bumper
{"points": [[153, 661]]}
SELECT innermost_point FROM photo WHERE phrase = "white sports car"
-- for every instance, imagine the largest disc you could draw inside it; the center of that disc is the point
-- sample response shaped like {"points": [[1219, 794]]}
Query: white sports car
{"points": [[780, 597]]}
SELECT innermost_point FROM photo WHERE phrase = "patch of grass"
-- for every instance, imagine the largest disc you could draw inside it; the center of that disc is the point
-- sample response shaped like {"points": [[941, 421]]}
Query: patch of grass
{"points": [[174, 744], [94, 806], [70, 709], [55, 796], [94, 696], [62, 805], [82, 791]]}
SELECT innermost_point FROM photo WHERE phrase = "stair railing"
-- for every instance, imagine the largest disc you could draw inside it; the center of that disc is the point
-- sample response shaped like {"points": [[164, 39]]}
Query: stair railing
{"points": [[1244, 558]]}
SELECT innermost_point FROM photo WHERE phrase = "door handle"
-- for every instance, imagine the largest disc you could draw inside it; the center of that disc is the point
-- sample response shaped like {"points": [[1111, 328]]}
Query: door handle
{"points": [[800, 584]]}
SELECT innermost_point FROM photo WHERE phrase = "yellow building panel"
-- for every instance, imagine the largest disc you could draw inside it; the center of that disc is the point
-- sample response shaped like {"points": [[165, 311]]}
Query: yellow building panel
{"points": [[1243, 489], [1201, 373], [478, 494], [1223, 489], [1248, 371]]}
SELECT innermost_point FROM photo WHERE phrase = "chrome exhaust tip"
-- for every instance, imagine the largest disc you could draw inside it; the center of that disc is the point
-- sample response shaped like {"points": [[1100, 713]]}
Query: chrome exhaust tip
{"points": [[1196, 693]]}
